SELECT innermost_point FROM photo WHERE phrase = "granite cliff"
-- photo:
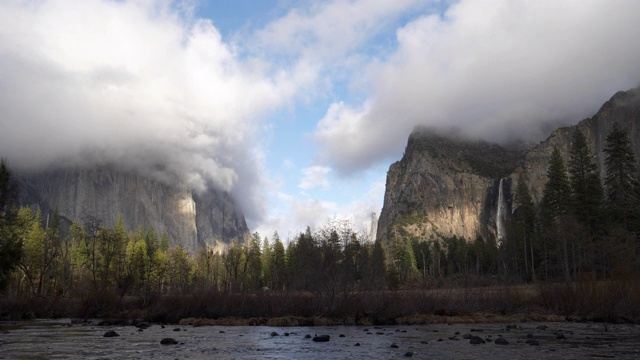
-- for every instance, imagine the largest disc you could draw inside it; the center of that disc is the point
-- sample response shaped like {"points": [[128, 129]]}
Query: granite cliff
{"points": [[190, 220], [446, 185]]}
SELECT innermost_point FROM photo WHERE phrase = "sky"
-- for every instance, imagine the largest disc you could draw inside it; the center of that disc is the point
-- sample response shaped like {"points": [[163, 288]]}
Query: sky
{"points": [[297, 108]]}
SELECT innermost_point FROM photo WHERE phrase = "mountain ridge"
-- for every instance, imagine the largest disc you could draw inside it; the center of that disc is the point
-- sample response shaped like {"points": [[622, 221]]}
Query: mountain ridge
{"points": [[446, 185], [191, 220]]}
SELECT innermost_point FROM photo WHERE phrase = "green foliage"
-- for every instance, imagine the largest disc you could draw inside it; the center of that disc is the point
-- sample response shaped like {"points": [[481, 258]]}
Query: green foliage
{"points": [[586, 189], [254, 263], [10, 242], [621, 180], [556, 198], [523, 242], [278, 264]]}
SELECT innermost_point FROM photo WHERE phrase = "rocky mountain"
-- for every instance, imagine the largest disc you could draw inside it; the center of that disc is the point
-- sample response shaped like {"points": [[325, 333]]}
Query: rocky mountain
{"points": [[446, 185], [189, 219], [623, 108]]}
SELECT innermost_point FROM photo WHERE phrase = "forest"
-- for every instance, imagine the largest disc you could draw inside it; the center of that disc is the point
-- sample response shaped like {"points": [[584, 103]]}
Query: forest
{"points": [[575, 253]]}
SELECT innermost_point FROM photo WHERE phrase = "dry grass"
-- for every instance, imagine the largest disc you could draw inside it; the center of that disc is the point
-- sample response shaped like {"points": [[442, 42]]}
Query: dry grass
{"points": [[612, 301]]}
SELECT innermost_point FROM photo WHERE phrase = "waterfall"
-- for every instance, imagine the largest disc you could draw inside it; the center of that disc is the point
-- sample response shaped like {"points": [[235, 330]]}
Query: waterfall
{"points": [[500, 212]]}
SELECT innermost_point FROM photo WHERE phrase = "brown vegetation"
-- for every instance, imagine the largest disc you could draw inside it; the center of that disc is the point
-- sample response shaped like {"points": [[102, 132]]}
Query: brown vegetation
{"points": [[586, 300]]}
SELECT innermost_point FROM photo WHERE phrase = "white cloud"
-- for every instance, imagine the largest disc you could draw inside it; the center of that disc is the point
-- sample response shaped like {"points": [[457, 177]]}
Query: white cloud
{"points": [[315, 176], [134, 83], [495, 69], [330, 29]]}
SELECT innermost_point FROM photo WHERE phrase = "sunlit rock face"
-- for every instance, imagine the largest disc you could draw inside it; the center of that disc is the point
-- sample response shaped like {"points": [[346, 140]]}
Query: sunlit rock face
{"points": [[190, 220], [447, 186]]}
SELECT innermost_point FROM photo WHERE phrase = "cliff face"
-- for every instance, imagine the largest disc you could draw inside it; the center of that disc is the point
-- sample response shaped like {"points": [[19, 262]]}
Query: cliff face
{"points": [[623, 108], [445, 186], [191, 221]]}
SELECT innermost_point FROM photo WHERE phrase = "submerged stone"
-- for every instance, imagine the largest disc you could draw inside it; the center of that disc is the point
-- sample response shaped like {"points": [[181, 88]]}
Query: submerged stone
{"points": [[168, 341], [321, 338]]}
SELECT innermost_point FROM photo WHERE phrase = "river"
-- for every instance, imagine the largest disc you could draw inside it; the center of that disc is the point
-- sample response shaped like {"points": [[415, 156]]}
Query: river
{"points": [[59, 339]]}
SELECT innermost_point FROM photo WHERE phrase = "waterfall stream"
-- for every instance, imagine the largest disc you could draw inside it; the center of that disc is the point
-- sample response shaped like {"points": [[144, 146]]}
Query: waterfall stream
{"points": [[500, 213]]}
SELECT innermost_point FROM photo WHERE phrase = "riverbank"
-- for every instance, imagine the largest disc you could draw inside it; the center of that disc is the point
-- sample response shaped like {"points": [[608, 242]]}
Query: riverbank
{"points": [[600, 302]]}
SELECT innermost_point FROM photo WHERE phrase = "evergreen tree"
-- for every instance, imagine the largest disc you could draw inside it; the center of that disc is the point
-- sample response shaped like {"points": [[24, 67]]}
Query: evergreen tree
{"points": [[278, 265], [621, 179], [254, 262], [378, 267], [587, 195], [34, 251], [137, 265], [555, 206], [178, 270], [556, 198], [305, 262], [524, 218], [266, 262], [10, 244]]}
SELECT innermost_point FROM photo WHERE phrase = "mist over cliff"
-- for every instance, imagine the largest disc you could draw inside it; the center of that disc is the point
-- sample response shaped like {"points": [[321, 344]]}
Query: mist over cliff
{"points": [[449, 185], [191, 219]]}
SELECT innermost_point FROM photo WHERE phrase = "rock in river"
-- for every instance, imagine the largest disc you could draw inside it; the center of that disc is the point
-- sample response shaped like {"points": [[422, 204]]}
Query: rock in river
{"points": [[168, 341], [321, 338], [111, 333]]}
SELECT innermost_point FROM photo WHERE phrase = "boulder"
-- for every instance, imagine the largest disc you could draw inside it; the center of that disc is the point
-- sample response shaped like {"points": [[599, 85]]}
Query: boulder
{"points": [[142, 325], [168, 341], [501, 341], [111, 333], [321, 338], [475, 340]]}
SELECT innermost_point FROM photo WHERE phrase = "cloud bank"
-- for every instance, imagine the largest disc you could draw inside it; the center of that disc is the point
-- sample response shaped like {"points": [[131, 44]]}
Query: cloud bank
{"points": [[495, 69], [139, 84]]}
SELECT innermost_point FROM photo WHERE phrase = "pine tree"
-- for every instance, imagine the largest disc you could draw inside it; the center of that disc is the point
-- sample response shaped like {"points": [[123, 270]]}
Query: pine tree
{"points": [[525, 223], [10, 244], [555, 206], [556, 198], [278, 265], [378, 267], [621, 180], [254, 261], [586, 189], [266, 262]]}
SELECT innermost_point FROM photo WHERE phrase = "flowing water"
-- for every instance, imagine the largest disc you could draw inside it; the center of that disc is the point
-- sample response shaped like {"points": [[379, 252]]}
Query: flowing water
{"points": [[61, 340], [500, 212]]}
